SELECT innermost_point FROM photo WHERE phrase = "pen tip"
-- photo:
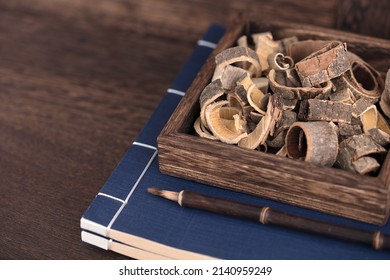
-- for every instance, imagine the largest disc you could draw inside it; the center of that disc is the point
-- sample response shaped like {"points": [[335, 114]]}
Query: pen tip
{"points": [[154, 191], [163, 193]]}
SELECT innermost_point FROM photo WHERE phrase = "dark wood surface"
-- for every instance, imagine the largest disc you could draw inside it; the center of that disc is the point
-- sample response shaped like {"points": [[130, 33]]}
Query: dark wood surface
{"points": [[79, 79]]}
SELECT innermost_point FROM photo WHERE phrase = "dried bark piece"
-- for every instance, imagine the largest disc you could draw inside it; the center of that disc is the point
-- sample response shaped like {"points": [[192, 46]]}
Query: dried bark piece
{"points": [[233, 119], [369, 118], [379, 136], [218, 127], [202, 131], [264, 128], [384, 103], [301, 49], [261, 83], [265, 46], [362, 79], [234, 55], [315, 142], [236, 100], [323, 65], [360, 106], [283, 103], [365, 165], [278, 84], [356, 147], [243, 42], [343, 96], [382, 124], [287, 119], [292, 79], [282, 152], [324, 110], [230, 76], [347, 130], [209, 94], [278, 141], [254, 96]]}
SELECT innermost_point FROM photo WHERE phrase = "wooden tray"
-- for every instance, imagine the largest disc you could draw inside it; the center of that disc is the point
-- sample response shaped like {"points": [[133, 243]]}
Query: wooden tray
{"points": [[326, 189]]}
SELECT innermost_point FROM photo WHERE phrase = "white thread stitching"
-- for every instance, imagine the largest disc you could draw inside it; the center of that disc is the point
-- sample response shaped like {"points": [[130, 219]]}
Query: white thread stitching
{"points": [[144, 145], [208, 44], [131, 192], [175, 91], [110, 196]]}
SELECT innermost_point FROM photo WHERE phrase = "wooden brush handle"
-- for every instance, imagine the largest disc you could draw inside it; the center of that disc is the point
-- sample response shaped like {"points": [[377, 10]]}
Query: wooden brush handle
{"points": [[266, 215], [378, 240], [219, 206]]}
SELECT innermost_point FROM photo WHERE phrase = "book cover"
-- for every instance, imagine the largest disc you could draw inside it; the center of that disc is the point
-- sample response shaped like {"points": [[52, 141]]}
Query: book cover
{"points": [[125, 218]]}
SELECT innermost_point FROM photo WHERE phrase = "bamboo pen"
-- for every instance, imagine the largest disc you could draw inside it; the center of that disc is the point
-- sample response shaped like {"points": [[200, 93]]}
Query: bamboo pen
{"points": [[266, 215]]}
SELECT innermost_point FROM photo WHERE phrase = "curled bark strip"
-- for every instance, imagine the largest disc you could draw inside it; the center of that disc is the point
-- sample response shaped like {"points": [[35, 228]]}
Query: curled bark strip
{"points": [[355, 147], [233, 119], [300, 49], [362, 79], [254, 95], [280, 62], [279, 85], [292, 79], [209, 94], [230, 76], [261, 83], [369, 118], [282, 152], [202, 131], [285, 104], [278, 141], [218, 127], [265, 46], [324, 110], [236, 101], [323, 65], [379, 136], [365, 165], [343, 96], [236, 54], [360, 106], [315, 142], [385, 98], [382, 124], [264, 128], [243, 42], [348, 130]]}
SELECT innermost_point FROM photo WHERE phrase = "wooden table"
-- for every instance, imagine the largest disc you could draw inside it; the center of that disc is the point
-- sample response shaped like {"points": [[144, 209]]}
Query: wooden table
{"points": [[78, 81]]}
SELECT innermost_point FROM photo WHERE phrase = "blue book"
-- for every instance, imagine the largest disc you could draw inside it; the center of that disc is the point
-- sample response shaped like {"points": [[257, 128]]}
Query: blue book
{"points": [[125, 218]]}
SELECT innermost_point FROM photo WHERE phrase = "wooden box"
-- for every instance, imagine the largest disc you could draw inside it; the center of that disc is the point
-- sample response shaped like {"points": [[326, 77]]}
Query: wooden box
{"points": [[183, 154]]}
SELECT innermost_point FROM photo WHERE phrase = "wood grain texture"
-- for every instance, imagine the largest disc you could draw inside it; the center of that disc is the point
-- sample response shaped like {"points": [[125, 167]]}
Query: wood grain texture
{"points": [[78, 81], [361, 15], [326, 189]]}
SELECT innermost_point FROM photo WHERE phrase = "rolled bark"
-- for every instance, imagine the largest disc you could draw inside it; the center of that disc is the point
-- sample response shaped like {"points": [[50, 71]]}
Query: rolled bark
{"points": [[315, 142], [384, 103], [356, 147], [362, 79], [278, 84], [323, 65], [324, 110], [234, 55]]}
